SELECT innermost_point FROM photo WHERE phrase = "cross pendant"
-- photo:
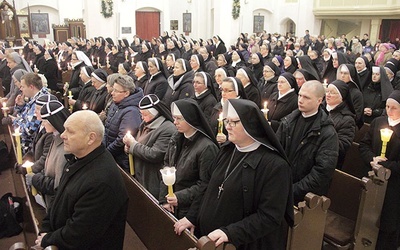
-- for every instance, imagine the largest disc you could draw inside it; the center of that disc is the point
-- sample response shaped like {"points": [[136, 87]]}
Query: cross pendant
{"points": [[220, 189]]}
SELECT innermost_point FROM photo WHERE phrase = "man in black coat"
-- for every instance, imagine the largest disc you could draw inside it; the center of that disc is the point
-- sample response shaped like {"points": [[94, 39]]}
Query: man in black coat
{"points": [[310, 142], [89, 210]]}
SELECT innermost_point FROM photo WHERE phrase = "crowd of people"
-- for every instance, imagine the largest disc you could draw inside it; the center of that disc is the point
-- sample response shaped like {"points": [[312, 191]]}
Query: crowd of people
{"points": [[251, 128]]}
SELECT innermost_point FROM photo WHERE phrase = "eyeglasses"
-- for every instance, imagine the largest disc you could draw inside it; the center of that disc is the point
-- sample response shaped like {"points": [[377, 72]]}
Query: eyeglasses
{"points": [[178, 119], [197, 82], [226, 90], [266, 71], [231, 124], [119, 91], [331, 92]]}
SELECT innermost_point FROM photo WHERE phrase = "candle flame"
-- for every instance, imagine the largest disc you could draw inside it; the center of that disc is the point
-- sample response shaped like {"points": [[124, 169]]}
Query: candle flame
{"points": [[16, 131], [4, 105], [27, 164]]}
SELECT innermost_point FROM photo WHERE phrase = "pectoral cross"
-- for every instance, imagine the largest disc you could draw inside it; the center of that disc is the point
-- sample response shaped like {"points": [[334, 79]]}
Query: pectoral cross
{"points": [[220, 189]]}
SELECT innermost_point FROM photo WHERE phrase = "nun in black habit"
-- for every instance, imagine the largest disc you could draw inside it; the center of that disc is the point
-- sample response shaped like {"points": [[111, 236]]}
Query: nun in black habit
{"points": [[191, 151], [348, 74], [249, 82], [284, 101], [204, 93], [249, 192], [305, 62], [376, 94], [363, 71], [370, 150], [267, 84], [340, 108], [157, 83], [257, 65]]}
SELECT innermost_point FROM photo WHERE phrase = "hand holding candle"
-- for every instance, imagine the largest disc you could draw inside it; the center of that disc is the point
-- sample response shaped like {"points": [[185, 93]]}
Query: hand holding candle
{"points": [[131, 163], [385, 137], [168, 176], [28, 166]]}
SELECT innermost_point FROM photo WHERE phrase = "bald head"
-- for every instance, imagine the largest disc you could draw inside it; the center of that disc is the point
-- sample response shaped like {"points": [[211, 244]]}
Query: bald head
{"points": [[316, 87], [83, 133]]}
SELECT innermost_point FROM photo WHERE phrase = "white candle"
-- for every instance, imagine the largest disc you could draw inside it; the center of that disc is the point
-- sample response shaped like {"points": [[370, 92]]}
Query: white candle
{"points": [[84, 106], [28, 166], [17, 135], [5, 109]]}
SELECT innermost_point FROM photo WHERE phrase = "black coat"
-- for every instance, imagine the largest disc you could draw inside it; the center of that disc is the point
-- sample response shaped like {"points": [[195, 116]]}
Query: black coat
{"points": [[50, 71], [253, 94], [84, 96], [157, 85], [345, 126], [280, 108], [373, 99], [75, 83], [267, 88], [97, 100], [180, 89], [142, 82], [370, 146], [206, 103], [220, 49], [91, 201], [191, 157], [315, 158], [365, 79], [5, 76], [252, 206]]}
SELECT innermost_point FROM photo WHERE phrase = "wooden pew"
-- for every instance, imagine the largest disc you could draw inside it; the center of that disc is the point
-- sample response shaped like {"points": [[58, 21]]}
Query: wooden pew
{"points": [[356, 204], [155, 226], [309, 223], [353, 163]]}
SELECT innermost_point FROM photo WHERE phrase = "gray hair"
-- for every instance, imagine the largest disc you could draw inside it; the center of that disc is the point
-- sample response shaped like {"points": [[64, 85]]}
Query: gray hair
{"points": [[126, 82]]}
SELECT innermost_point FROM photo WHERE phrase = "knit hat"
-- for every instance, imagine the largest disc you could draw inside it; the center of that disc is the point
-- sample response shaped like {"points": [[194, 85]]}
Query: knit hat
{"points": [[56, 114]]}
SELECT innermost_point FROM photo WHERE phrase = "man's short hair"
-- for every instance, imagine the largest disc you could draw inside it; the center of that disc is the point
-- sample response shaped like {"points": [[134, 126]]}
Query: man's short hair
{"points": [[33, 79], [318, 89]]}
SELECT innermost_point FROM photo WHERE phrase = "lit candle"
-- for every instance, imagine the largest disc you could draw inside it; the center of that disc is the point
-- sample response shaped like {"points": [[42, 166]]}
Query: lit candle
{"points": [[92, 58], [131, 163], [162, 58], [84, 106], [5, 109], [59, 66], [126, 55], [168, 176], [28, 166], [34, 67], [17, 135], [133, 62], [265, 110], [30, 63], [220, 124], [385, 137], [98, 60], [108, 61], [70, 97], [325, 84]]}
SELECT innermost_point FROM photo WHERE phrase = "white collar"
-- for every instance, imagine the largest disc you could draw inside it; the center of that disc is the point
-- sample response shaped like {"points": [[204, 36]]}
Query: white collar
{"points": [[329, 107], [393, 123], [280, 96], [306, 116], [249, 148]]}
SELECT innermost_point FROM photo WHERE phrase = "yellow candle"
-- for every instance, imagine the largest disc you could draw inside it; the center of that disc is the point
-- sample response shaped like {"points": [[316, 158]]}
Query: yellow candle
{"points": [[385, 137], [70, 94], [131, 163], [5, 109], [17, 135], [28, 166], [170, 191], [220, 124]]}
